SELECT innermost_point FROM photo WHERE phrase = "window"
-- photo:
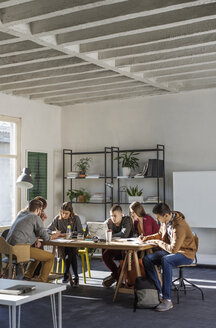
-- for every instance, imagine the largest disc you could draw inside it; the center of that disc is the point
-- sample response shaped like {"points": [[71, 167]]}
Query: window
{"points": [[9, 168]]}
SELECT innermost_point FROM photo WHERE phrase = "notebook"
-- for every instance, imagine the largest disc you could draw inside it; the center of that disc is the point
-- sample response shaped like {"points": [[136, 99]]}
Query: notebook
{"points": [[18, 289], [97, 229]]}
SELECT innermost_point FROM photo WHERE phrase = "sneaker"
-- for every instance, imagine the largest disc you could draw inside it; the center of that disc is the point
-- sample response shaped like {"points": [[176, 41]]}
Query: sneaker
{"points": [[165, 305], [76, 282], [160, 296], [108, 281]]}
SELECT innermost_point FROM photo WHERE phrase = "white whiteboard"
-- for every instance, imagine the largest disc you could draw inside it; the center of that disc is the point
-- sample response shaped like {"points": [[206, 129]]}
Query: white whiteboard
{"points": [[194, 194]]}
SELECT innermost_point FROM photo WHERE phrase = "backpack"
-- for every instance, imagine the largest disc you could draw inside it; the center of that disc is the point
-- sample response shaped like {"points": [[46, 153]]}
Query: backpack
{"points": [[146, 294]]}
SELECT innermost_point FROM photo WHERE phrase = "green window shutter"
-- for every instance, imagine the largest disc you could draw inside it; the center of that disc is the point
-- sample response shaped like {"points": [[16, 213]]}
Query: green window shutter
{"points": [[37, 163]]}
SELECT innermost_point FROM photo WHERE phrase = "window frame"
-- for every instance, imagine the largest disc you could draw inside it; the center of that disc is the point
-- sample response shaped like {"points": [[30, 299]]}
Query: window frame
{"points": [[16, 156]]}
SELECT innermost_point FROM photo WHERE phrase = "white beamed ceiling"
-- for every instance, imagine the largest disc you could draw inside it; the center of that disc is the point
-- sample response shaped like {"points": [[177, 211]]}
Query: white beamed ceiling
{"points": [[65, 52]]}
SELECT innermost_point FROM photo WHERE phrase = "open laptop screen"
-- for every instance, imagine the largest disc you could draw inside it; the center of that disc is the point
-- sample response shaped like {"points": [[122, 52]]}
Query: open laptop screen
{"points": [[97, 229]]}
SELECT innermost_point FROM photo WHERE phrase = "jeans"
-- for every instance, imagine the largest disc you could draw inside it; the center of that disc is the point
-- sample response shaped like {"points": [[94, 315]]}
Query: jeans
{"points": [[167, 261]]}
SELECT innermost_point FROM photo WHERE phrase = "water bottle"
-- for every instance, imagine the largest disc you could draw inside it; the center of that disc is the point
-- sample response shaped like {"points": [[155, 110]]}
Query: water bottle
{"points": [[68, 233]]}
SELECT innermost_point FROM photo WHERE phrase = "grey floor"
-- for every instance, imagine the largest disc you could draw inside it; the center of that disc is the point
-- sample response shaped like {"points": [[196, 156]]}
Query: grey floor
{"points": [[91, 305]]}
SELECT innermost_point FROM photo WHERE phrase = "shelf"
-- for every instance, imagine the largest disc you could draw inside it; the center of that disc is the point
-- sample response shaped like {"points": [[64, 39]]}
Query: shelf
{"points": [[112, 184], [144, 203], [78, 178], [91, 203], [124, 177]]}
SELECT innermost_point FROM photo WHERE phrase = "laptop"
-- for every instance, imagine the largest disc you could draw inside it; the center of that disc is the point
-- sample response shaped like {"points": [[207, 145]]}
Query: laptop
{"points": [[97, 229]]}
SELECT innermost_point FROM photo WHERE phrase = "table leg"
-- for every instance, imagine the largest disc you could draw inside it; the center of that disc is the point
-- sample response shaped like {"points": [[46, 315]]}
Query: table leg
{"points": [[136, 262], [53, 306], [60, 310], [19, 315], [121, 276], [13, 316], [9, 311]]}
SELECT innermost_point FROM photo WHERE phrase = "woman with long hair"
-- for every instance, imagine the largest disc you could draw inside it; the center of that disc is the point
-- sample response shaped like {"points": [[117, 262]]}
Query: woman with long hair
{"points": [[67, 217], [144, 224]]}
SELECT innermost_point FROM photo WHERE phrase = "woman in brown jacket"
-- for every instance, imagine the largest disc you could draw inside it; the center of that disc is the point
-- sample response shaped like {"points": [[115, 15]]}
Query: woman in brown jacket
{"points": [[178, 247]]}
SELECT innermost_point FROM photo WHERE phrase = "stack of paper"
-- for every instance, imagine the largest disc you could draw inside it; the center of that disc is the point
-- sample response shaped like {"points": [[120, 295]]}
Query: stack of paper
{"points": [[97, 197], [152, 199]]}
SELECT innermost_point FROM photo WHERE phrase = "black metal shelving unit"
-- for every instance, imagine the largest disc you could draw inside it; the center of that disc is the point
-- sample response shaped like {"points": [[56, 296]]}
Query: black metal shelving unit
{"points": [[109, 181], [159, 150]]}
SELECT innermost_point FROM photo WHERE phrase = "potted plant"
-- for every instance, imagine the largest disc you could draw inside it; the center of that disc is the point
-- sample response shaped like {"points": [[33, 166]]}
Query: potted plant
{"points": [[72, 194], [83, 165], [134, 194], [129, 161], [83, 196]]}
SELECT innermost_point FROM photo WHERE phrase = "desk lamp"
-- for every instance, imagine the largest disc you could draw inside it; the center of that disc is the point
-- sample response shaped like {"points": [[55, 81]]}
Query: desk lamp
{"points": [[25, 179]]}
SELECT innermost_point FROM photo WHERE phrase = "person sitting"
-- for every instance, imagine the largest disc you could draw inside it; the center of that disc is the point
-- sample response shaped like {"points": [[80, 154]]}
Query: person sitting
{"points": [[43, 217], [121, 226], [144, 224], [26, 229], [178, 247], [60, 223]]}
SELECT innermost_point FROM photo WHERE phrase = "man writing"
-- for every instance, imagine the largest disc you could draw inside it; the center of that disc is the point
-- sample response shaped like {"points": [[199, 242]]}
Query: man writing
{"points": [[121, 226], [178, 247], [26, 229]]}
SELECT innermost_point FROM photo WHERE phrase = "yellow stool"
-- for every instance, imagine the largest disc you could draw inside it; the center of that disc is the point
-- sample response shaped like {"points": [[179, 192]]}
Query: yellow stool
{"points": [[84, 252]]}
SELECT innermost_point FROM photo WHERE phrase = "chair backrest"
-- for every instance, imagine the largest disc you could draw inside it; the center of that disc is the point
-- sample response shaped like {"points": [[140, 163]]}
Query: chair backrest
{"points": [[196, 239], [5, 248], [21, 251], [5, 233]]}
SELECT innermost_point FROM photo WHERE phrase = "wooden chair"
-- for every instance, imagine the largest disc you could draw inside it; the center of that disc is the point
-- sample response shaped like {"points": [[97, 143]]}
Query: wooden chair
{"points": [[18, 254], [179, 283]]}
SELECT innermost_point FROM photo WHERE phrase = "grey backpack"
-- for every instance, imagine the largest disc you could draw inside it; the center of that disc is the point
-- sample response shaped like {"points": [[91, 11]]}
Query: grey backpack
{"points": [[146, 294]]}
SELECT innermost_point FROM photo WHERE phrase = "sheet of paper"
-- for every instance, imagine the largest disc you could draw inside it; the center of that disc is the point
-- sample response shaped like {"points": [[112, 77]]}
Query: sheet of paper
{"points": [[60, 240]]}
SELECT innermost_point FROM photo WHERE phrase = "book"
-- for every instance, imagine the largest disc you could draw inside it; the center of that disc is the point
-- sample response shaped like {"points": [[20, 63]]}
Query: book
{"points": [[18, 289]]}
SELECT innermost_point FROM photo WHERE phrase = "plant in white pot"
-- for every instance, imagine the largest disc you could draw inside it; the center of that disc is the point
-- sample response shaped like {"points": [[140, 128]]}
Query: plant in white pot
{"points": [[134, 194], [129, 161]]}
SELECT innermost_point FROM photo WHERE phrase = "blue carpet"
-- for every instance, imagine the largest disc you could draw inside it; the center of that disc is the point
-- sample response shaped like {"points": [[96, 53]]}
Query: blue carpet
{"points": [[91, 305]]}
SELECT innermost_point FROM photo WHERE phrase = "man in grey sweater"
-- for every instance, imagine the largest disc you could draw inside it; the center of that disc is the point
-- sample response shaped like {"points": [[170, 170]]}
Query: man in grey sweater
{"points": [[26, 229]]}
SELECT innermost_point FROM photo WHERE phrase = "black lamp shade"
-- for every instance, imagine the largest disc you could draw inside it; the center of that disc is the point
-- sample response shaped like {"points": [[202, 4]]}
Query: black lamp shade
{"points": [[25, 179]]}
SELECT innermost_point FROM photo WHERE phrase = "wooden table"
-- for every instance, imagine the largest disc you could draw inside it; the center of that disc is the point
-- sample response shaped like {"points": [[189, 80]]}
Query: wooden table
{"points": [[131, 248], [42, 290]]}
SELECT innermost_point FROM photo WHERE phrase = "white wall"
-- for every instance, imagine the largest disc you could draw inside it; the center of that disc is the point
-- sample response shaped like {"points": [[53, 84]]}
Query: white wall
{"points": [[40, 131], [184, 123]]}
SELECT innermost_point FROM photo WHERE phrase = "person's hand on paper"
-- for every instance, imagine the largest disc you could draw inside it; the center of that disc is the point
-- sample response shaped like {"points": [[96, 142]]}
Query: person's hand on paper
{"points": [[142, 238], [153, 242], [57, 234]]}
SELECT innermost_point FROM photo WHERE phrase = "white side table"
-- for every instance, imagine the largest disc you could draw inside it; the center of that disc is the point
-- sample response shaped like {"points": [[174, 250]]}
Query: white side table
{"points": [[42, 290]]}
